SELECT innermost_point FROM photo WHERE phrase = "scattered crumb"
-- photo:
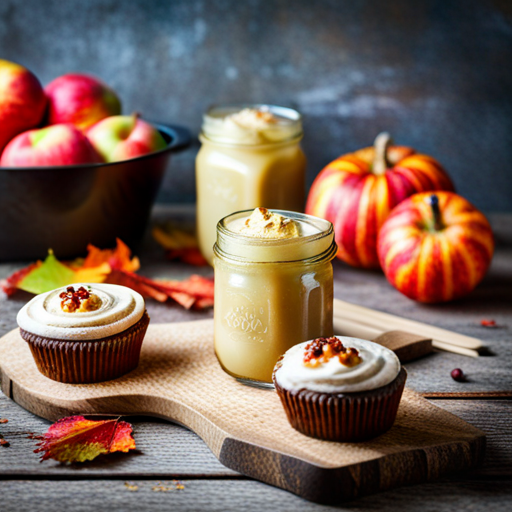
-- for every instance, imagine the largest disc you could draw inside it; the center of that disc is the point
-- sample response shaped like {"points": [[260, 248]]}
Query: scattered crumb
{"points": [[131, 486], [161, 488], [175, 485]]}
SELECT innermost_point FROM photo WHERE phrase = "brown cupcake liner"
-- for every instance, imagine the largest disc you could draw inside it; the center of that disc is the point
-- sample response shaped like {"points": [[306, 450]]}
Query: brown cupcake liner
{"points": [[84, 362], [343, 417]]}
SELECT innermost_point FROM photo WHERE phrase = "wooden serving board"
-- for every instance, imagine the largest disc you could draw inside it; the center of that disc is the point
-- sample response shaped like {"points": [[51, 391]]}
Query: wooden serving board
{"points": [[179, 379]]}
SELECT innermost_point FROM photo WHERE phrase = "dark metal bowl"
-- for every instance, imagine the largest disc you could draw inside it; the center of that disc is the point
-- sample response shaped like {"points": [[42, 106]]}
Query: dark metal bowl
{"points": [[65, 208]]}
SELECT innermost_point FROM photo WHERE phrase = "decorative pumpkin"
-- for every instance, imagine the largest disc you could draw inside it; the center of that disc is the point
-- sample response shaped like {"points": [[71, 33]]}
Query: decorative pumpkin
{"points": [[357, 191], [435, 247]]}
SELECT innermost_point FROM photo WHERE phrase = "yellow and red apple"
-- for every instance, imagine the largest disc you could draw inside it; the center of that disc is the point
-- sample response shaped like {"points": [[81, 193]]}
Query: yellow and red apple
{"points": [[22, 101], [123, 137], [81, 100], [357, 191], [435, 247], [60, 144]]}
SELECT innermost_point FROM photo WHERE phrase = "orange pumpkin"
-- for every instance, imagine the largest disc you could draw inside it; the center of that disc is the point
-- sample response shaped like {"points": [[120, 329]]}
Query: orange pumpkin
{"points": [[435, 247], [357, 191]]}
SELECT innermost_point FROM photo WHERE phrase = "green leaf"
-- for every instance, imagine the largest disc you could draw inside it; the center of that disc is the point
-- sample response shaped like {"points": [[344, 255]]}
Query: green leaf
{"points": [[50, 275]]}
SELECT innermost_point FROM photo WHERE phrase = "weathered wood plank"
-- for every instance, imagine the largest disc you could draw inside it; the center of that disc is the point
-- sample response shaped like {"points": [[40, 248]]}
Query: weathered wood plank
{"points": [[231, 495], [165, 449], [493, 417]]}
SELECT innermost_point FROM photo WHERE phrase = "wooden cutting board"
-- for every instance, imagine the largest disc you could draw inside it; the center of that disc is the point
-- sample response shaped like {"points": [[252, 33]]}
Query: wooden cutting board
{"points": [[179, 379]]}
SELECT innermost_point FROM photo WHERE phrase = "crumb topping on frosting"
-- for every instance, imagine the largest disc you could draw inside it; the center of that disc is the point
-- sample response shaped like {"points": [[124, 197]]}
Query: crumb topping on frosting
{"points": [[79, 301], [263, 223], [321, 350], [363, 366], [87, 311]]}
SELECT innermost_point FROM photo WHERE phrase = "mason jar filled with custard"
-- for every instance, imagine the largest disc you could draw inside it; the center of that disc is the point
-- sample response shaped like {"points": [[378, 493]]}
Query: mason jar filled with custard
{"points": [[250, 155], [273, 288]]}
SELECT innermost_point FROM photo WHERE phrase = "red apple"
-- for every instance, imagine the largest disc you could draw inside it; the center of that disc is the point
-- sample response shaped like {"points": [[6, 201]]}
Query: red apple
{"points": [[123, 137], [22, 101], [61, 144], [80, 99], [435, 247]]}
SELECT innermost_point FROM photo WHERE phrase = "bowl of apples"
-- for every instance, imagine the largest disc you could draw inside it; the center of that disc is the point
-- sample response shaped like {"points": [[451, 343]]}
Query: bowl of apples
{"points": [[73, 170]]}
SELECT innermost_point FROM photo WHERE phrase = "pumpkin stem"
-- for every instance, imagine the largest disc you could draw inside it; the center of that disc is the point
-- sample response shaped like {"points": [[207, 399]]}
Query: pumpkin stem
{"points": [[380, 160], [436, 213]]}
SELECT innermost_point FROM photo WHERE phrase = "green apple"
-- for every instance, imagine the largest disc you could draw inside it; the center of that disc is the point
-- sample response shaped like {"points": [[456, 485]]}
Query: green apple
{"points": [[119, 138]]}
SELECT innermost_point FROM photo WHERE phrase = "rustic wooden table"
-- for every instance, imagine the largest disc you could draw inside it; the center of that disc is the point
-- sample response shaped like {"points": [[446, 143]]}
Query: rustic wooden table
{"points": [[168, 455]]}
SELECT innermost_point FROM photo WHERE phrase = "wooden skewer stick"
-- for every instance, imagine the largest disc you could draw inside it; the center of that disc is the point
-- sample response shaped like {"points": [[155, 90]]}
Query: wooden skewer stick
{"points": [[348, 327], [387, 322]]}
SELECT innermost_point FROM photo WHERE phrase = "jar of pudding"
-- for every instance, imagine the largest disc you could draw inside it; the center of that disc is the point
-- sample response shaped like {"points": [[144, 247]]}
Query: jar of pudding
{"points": [[250, 155], [273, 288]]}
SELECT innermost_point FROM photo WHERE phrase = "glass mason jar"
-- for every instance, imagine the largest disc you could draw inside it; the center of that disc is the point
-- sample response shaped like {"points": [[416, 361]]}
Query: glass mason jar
{"points": [[241, 166], [270, 294]]}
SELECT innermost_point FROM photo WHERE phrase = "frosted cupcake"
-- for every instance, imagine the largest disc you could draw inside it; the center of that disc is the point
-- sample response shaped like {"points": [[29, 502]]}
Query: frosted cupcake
{"points": [[339, 388], [86, 332]]}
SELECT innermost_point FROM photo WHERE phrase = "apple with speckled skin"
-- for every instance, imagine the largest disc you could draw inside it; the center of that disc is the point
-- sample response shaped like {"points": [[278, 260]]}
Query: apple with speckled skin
{"points": [[81, 100], [22, 101], [60, 144], [123, 137], [435, 247]]}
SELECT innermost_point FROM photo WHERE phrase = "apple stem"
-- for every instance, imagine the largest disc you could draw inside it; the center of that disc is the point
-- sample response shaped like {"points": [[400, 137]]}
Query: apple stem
{"points": [[380, 160], [436, 212]]}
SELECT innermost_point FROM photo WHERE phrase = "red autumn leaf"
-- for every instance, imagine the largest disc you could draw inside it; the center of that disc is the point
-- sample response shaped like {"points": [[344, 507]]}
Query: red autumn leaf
{"points": [[196, 291], [76, 439], [137, 283], [197, 286], [488, 323], [184, 299], [118, 258], [9, 285], [203, 303], [179, 244], [190, 255]]}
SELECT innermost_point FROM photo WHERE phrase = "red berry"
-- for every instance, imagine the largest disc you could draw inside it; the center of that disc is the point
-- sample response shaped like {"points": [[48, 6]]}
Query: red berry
{"points": [[458, 375]]}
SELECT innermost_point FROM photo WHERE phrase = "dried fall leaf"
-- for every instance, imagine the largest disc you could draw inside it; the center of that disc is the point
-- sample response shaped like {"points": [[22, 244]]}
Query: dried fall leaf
{"points": [[92, 274], [179, 245], [118, 258], [47, 276], [488, 323], [52, 274], [195, 292], [10, 285], [77, 439], [184, 299], [137, 283], [203, 303], [191, 256], [197, 286]]}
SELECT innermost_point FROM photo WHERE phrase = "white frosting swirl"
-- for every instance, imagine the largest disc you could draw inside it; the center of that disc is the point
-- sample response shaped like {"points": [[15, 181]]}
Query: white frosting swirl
{"points": [[379, 366], [121, 307]]}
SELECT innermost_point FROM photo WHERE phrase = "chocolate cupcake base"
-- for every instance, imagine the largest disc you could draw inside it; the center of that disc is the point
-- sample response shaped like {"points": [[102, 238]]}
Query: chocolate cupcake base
{"points": [[344, 417], [84, 362]]}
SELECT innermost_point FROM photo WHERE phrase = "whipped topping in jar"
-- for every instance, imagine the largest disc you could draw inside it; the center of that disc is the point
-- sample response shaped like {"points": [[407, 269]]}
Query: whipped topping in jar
{"points": [[99, 311], [263, 223], [359, 366], [251, 125]]}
